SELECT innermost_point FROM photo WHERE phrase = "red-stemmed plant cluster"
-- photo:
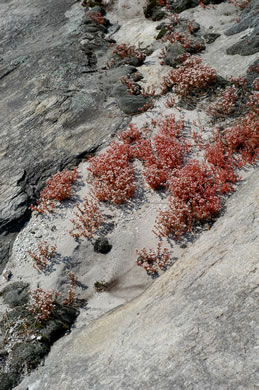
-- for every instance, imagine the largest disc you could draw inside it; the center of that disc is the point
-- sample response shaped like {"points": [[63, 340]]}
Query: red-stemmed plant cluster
{"points": [[193, 199], [165, 152], [191, 75], [96, 17], [57, 188], [45, 253], [222, 165], [170, 150], [113, 173], [225, 104], [133, 88], [128, 51], [243, 138], [255, 84], [153, 261], [71, 295], [113, 170], [253, 103], [233, 99], [179, 59], [43, 303], [196, 189], [88, 219], [183, 39], [242, 4], [147, 106]]}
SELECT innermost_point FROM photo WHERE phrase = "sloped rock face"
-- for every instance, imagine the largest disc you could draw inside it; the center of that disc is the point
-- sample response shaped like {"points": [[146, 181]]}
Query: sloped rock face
{"points": [[55, 105], [25, 341], [58, 102], [249, 44], [194, 328]]}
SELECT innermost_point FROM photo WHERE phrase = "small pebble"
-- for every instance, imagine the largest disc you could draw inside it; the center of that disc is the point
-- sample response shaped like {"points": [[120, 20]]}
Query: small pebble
{"points": [[7, 275]]}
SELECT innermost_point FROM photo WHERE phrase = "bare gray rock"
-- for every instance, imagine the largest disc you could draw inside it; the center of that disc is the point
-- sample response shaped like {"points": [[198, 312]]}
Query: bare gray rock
{"points": [[194, 328], [15, 294], [54, 103], [249, 19], [246, 46], [102, 245], [174, 51], [181, 5]]}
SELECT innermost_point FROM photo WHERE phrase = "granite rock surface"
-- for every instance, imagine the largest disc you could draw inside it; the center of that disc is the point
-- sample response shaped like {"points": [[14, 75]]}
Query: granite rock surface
{"points": [[194, 328]]}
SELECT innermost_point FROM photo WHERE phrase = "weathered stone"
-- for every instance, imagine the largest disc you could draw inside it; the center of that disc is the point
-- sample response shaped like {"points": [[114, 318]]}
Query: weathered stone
{"points": [[249, 44], [182, 5], [15, 294], [28, 341], [195, 27], [162, 32], [7, 381], [157, 14], [248, 19], [128, 103], [194, 328], [246, 46], [211, 37], [7, 275], [102, 245], [150, 8], [132, 61], [54, 110], [196, 46], [252, 75], [114, 75], [131, 104], [175, 50]]}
